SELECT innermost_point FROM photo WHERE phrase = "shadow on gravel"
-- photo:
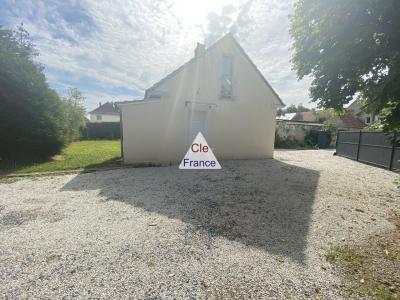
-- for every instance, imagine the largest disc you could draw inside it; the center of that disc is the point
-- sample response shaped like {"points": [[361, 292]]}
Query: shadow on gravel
{"points": [[260, 203]]}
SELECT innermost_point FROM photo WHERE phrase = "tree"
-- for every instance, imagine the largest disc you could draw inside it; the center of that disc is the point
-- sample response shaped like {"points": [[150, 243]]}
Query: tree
{"points": [[32, 115], [292, 109], [350, 49], [299, 108], [75, 113]]}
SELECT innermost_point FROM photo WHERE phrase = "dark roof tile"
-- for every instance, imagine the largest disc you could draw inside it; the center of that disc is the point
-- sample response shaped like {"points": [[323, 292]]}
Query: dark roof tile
{"points": [[107, 108]]}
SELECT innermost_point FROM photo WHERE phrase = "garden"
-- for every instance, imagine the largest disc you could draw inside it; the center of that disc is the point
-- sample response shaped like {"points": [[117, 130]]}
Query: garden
{"points": [[76, 156], [41, 130]]}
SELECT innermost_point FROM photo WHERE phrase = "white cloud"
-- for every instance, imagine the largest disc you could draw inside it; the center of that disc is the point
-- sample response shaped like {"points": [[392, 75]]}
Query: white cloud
{"points": [[132, 44]]}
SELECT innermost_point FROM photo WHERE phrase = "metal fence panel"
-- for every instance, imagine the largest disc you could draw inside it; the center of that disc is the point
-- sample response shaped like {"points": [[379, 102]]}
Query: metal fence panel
{"points": [[349, 136], [375, 155], [377, 138], [347, 150], [369, 147], [347, 144]]}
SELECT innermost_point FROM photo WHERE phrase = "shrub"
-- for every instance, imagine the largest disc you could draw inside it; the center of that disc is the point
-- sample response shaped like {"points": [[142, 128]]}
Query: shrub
{"points": [[290, 143]]}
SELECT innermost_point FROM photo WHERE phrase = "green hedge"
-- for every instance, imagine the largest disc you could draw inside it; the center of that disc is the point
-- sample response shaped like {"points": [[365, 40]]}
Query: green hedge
{"points": [[102, 131]]}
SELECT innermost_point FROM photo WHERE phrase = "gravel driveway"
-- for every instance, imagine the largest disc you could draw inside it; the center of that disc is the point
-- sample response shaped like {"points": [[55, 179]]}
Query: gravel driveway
{"points": [[255, 229]]}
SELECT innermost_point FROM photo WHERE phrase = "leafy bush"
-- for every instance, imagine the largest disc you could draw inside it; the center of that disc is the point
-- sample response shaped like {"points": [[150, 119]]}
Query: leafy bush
{"points": [[291, 143]]}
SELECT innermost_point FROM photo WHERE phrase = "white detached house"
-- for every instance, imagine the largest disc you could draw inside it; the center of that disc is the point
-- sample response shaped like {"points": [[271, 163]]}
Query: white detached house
{"points": [[106, 112], [220, 93]]}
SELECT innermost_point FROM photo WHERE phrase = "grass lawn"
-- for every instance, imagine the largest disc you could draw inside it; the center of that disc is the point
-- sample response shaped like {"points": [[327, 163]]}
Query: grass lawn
{"points": [[79, 155]]}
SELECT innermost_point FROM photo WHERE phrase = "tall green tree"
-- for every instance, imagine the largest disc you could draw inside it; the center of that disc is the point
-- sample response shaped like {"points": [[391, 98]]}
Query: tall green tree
{"points": [[32, 116], [351, 48], [299, 108], [75, 113], [292, 109]]}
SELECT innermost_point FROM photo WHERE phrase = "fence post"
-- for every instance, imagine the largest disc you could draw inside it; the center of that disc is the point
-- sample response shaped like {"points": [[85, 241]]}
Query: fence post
{"points": [[393, 149], [337, 139], [121, 130], [358, 146]]}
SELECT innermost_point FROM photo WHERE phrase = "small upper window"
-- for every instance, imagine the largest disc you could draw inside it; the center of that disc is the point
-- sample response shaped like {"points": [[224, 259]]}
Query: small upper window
{"points": [[226, 85], [368, 120], [98, 117]]}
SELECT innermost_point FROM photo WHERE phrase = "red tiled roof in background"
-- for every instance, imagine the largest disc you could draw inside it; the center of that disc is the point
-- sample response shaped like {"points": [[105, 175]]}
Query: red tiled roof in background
{"points": [[350, 121]]}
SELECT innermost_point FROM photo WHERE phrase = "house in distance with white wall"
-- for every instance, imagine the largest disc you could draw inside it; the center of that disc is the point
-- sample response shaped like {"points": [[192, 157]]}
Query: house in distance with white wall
{"points": [[220, 93], [107, 112]]}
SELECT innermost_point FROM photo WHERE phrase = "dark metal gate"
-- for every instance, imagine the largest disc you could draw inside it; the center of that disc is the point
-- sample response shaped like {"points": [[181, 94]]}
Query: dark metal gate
{"points": [[371, 147]]}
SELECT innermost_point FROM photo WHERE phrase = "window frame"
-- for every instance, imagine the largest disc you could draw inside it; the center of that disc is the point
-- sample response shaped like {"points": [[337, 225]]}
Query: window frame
{"points": [[99, 117], [223, 76]]}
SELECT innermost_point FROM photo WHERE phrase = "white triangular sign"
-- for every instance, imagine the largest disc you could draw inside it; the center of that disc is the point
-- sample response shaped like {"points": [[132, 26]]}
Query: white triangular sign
{"points": [[199, 155]]}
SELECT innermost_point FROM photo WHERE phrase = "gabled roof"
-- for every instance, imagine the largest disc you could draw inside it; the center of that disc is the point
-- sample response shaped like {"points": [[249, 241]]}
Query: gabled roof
{"points": [[107, 108], [356, 104], [350, 121], [228, 35]]}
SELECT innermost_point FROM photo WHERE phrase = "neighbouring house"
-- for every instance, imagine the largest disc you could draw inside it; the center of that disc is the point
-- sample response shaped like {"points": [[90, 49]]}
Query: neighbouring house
{"points": [[307, 116], [344, 122], [286, 116], [347, 122], [107, 112], [288, 130], [220, 93], [295, 127], [355, 108]]}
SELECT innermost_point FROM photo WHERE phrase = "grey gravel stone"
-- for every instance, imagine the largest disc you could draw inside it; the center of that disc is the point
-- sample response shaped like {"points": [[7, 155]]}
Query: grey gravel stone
{"points": [[255, 229]]}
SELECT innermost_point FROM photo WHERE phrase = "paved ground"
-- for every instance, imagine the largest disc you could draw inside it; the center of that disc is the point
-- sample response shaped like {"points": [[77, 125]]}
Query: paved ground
{"points": [[255, 229]]}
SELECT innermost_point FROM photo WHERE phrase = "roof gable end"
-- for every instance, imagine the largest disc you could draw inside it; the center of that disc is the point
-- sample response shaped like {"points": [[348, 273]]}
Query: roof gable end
{"points": [[236, 43]]}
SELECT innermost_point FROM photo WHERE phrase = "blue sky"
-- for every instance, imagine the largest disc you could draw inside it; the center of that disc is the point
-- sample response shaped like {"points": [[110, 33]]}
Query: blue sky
{"points": [[114, 50]]}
